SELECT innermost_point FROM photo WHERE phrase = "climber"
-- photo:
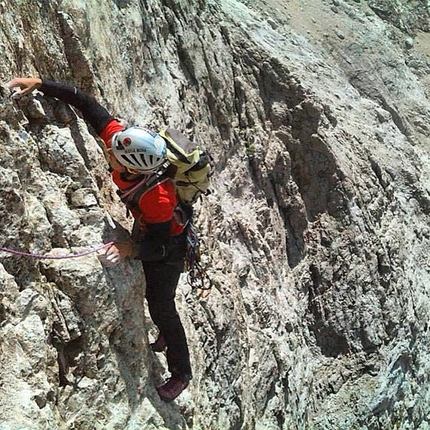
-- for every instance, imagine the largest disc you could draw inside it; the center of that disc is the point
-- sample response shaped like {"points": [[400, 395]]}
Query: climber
{"points": [[135, 156]]}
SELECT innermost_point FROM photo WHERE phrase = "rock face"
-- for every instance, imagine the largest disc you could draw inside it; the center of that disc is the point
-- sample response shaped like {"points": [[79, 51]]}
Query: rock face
{"points": [[316, 233]]}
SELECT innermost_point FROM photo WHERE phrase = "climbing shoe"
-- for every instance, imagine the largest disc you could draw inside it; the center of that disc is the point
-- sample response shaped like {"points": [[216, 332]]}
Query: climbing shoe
{"points": [[159, 345], [171, 389]]}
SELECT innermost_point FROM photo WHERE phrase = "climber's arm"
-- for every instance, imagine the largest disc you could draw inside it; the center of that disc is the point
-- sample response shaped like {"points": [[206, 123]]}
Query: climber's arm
{"points": [[92, 111]]}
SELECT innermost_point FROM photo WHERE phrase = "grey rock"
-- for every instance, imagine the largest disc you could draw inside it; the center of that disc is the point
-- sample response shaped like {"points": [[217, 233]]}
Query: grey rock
{"points": [[316, 233], [409, 43]]}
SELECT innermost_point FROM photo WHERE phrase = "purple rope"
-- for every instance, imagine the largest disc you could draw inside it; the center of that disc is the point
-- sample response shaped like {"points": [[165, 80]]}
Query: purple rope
{"points": [[55, 257]]}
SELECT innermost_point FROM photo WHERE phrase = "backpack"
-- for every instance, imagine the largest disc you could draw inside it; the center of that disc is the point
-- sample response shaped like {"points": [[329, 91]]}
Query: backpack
{"points": [[194, 166]]}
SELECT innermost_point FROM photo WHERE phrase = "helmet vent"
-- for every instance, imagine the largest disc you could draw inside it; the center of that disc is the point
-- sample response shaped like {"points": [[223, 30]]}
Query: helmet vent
{"points": [[127, 159], [136, 160], [143, 161]]}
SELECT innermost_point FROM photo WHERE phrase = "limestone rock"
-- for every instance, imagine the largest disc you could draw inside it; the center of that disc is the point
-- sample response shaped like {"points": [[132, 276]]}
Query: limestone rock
{"points": [[316, 234]]}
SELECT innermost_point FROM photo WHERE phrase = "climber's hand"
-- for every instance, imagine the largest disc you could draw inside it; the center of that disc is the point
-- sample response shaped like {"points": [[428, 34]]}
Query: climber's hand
{"points": [[111, 256], [26, 85]]}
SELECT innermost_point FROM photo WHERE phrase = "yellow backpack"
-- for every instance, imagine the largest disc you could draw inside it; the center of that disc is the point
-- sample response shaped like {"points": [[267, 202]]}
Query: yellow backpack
{"points": [[194, 166]]}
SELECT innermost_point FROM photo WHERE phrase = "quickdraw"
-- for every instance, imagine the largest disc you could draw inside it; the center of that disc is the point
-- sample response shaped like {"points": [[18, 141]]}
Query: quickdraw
{"points": [[197, 278]]}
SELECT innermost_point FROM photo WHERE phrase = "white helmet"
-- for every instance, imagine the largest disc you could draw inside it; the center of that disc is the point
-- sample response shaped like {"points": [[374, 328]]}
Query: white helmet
{"points": [[139, 148]]}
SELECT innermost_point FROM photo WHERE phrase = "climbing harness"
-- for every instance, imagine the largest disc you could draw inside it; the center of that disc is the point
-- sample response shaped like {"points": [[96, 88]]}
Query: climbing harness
{"points": [[197, 278], [55, 257]]}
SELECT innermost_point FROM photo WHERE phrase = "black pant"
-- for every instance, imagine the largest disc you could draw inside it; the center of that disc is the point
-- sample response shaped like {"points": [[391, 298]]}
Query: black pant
{"points": [[161, 281]]}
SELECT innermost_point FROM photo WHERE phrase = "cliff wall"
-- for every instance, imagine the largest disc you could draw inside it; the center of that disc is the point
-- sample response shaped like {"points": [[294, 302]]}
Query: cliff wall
{"points": [[316, 233]]}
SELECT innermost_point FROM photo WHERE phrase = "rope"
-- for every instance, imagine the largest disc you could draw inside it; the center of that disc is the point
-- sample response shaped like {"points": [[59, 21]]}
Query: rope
{"points": [[55, 257], [133, 188]]}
